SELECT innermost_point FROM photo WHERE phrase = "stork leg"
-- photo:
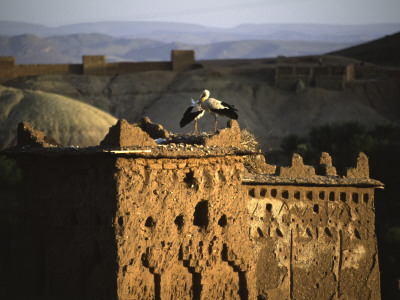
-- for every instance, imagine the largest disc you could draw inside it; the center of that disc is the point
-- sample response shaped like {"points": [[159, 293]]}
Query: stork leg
{"points": [[215, 125], [195, 127]]}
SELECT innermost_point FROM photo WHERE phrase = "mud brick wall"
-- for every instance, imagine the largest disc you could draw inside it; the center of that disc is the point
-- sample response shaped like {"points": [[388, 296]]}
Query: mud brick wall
{"points": [[188, 241], [314, 242], [46, 69]]}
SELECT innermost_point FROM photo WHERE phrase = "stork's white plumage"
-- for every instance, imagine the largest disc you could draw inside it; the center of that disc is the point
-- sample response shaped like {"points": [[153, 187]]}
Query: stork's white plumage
{"points": [[217, 107], [193, 112]]}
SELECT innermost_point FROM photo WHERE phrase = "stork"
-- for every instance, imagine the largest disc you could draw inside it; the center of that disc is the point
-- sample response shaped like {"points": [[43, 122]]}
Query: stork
{"points": [[193, 112], [217, 108]]}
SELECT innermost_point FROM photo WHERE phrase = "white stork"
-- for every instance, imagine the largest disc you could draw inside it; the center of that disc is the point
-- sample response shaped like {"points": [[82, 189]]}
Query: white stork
{"points": [[217, 107], [193, 112]]}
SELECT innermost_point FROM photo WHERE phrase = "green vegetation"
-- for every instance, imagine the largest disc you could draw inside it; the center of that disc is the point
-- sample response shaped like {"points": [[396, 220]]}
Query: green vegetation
{"points": [[382, 145]]}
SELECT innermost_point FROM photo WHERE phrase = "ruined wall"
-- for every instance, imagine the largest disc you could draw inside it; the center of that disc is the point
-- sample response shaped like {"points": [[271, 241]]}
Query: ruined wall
{"points": [[328, 77]]}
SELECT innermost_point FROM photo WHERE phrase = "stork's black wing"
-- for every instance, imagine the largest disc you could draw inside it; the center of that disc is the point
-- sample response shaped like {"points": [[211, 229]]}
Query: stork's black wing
{"points": [[228, 110], [188, 116]]}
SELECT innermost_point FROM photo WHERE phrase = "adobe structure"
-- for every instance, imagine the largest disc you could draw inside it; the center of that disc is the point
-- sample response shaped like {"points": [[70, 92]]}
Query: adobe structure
{"points": [[322, 71], [197, 217]]}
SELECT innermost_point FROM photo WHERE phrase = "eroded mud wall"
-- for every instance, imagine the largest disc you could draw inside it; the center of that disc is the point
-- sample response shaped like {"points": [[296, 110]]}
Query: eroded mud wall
{"points": [[314, 242], [180, 232]]}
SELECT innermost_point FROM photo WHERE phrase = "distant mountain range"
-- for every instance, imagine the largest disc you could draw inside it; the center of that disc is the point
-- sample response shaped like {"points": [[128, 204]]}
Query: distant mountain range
{"points": [[31, 49], [152, 41], [196, 34]]}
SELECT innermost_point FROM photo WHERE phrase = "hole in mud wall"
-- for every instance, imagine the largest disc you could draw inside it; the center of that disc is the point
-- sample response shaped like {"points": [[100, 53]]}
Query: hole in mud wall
{"points": [[196, 286], [328, 232], [321, 195], [354, 197], [180, 253], [260, 233], [332, 196], [285, 194], [316, 208], [243, 291], [224, 253], [274, 193], [269, 207], [357, 234], [157, 286], [179, 222], [222, 221], [309, 195], [252, 193], [263, 192], [343, 196], [120, 221], [149, 222], [297, 195], [201, 214], [145, 261], [190, 181], [365, 198], [279, 233], [308, 231]]}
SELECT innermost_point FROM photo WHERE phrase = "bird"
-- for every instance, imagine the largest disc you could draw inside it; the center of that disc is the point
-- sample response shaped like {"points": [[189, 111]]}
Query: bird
{"points": [[217, 108], [193, 112]]}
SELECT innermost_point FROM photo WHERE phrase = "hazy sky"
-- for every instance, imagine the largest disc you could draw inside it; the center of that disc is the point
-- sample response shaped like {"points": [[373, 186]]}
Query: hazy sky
{"points": [[213, 13]]}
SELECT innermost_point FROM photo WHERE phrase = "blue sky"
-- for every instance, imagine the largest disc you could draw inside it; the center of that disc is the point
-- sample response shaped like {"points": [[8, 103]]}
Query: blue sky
{"points": [[212, 13]]}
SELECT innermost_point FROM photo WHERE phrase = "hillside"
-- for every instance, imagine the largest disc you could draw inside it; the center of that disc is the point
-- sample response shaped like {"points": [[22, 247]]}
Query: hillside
{"points": [[384, 51], [63, 118]]}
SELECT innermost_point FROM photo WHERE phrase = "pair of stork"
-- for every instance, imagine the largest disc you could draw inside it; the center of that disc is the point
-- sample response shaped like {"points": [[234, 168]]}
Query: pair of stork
{"points": [[213, 106]]}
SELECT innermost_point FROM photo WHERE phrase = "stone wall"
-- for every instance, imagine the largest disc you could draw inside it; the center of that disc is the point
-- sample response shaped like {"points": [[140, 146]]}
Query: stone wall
{"points": [[188, 221]]}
